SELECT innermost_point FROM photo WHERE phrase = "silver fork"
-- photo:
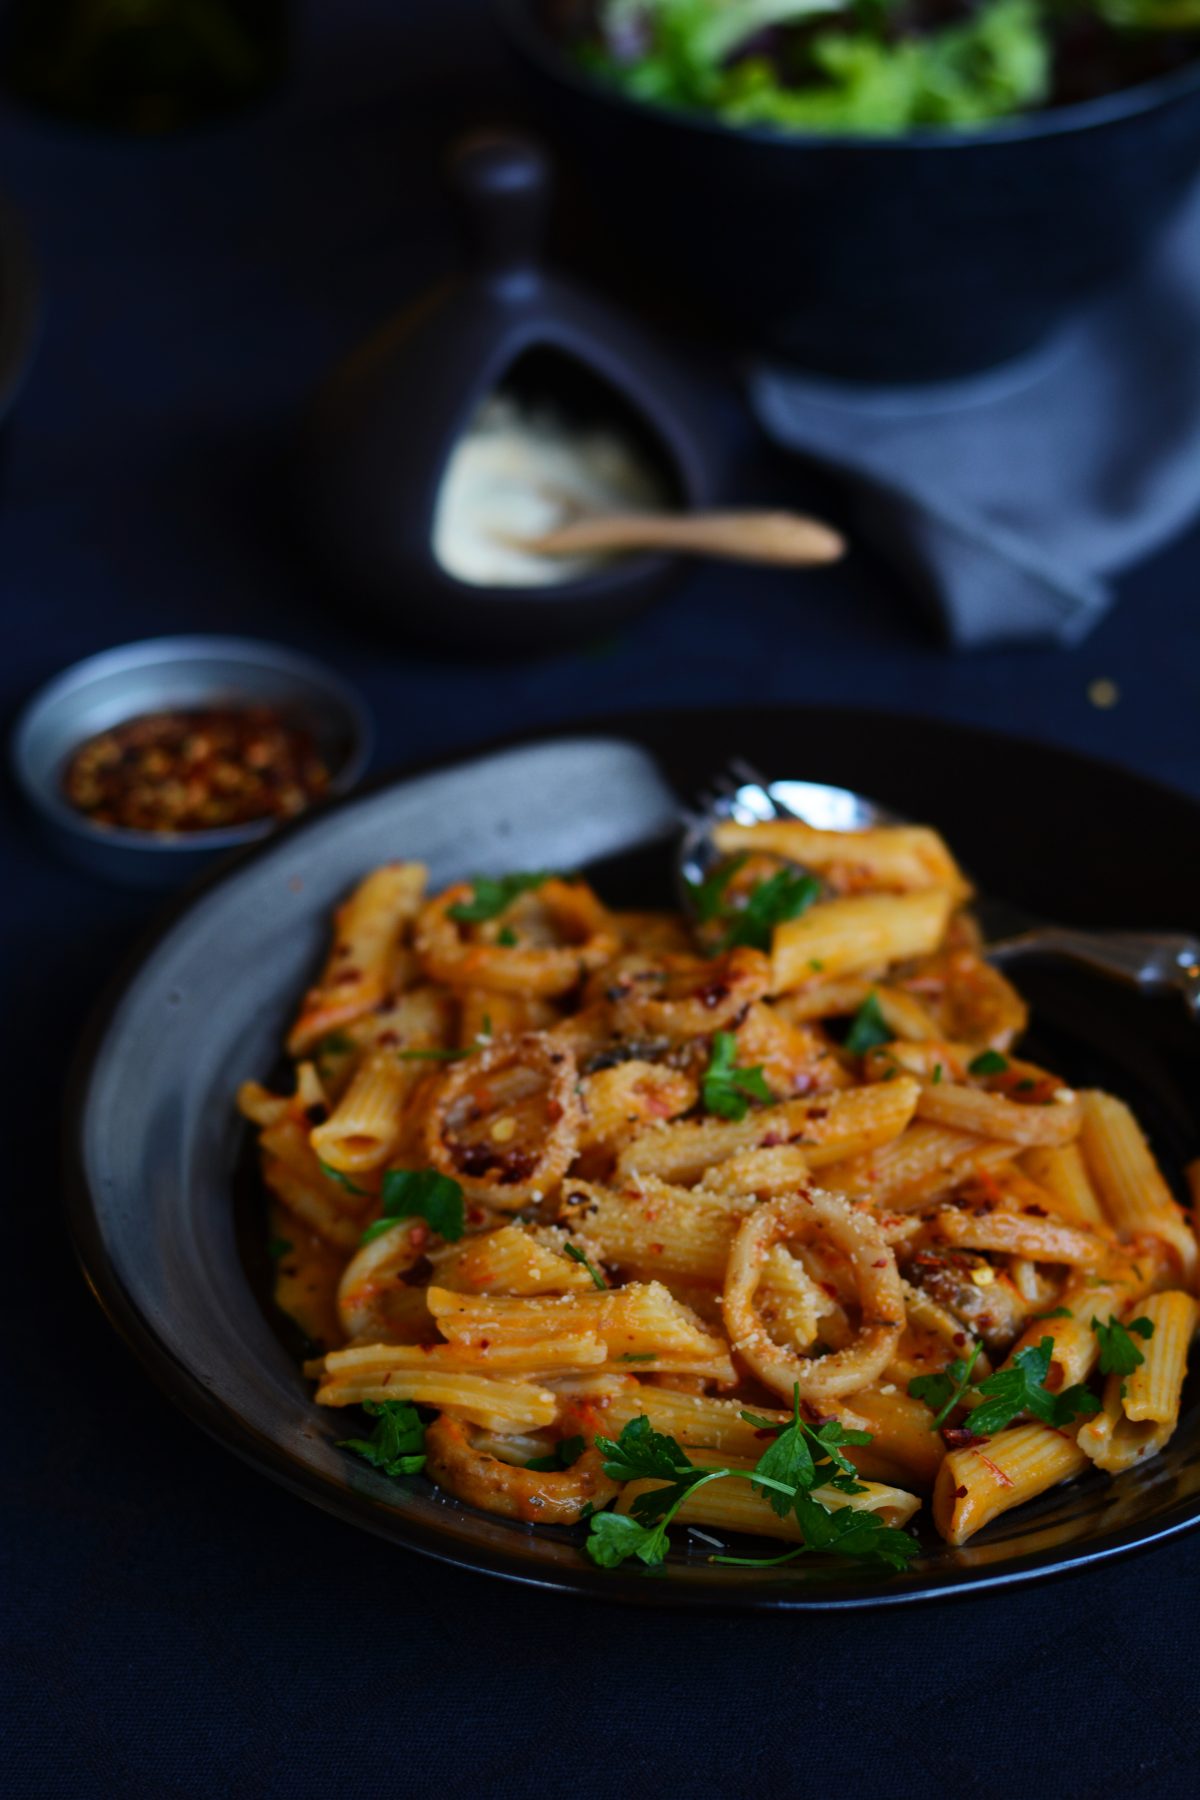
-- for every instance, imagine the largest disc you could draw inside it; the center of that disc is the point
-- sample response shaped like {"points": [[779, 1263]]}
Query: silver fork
{"points": [[1151, 961]]}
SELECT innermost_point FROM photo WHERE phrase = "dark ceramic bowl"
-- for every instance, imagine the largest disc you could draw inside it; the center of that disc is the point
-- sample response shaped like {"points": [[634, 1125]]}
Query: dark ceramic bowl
{"points": [[169, 1216], [884, 259], [162, 673]]}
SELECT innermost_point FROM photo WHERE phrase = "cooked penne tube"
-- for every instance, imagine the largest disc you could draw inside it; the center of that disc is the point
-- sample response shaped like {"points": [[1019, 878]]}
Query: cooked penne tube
{"points": [[368, 932], [1129, 1182], [992, 1116], [653, 1229], [310, 1202], [1062, 1172], [1087, 1296], [843, 937], [976, 1485], [260, 1106], [365, 1126], [1152, 1389], [1141, 1408], [642, 1319], [512, 1260], [917, 1152], [827, 1129], [430, 1378], [900, 857]]}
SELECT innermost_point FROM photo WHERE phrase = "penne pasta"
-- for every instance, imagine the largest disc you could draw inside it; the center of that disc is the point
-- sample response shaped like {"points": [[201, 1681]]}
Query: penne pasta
{"points": [[975, 1485], [844, 937], [1130, 1184], [611, 1196]]}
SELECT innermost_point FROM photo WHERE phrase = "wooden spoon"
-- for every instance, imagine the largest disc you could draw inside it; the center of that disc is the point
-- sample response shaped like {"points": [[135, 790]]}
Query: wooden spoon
{"points": [[757, 537]]}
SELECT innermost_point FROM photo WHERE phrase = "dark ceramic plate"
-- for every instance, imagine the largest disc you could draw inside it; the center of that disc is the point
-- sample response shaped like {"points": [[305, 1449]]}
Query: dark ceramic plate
{"points": [[154, 1143]]}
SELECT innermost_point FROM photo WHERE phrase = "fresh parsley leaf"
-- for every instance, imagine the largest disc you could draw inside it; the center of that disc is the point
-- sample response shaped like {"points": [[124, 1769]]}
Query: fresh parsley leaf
{"points": [[708, 896], [726, 1089], [278, 1247], [805, 1456], [342, 1180], [577, 1255], [1022, 1388], [937, 1074], [397, 1444], [614, 1537], [943, 1392], [563, 1456], [1057, 1312], [639, 1356], [642, 1454], [868, 1028], [491, 896], [420, 1194], [782, 896], [1119, 1355], [988, 1062], [334, 1043], [850, 1532], [506, 937]]}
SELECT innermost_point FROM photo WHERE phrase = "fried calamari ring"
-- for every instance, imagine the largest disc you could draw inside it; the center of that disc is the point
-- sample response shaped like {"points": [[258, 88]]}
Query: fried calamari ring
{"points": [[856, 1235], [537, 1496], [684, 996], [449, 953], [501, 1166], [374, 1276]]}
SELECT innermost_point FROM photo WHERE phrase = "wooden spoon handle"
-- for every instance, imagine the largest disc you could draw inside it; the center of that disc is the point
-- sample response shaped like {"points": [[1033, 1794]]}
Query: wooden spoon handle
{"points": [[762, 537]]}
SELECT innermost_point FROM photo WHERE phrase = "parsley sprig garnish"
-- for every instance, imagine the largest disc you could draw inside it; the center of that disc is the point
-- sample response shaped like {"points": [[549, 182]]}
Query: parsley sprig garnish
{"points": [[420, 1194], [726, 1089], [988, 1062], [1119, 1355], [868, 1028], [1002, 1397], [944, 1391], [577, 1255], [782, 896], [397, 1444], [490, 895], [799, 1458]]}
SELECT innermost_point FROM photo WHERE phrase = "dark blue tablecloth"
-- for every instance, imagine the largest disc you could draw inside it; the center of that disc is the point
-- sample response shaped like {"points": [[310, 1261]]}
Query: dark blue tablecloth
{"points": [[175, 1625]]}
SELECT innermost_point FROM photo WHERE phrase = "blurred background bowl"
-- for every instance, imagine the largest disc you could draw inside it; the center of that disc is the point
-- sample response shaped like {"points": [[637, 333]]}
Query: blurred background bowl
{"points": [[166, 673], [908, 258]]}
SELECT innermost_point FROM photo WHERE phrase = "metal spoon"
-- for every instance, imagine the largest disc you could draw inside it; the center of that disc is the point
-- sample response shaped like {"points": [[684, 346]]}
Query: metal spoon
{"points": [[1151, 961]]}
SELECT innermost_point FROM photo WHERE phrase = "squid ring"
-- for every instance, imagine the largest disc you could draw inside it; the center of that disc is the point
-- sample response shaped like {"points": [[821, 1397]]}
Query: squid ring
{"points": [[507, 1178], [591, 938], [686, 996], [373, 1274], [880, 1294], [538, 1496]]}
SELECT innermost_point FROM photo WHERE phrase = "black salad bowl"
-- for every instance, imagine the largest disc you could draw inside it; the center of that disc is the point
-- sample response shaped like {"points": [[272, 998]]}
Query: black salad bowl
{"points": [[915, 258]]}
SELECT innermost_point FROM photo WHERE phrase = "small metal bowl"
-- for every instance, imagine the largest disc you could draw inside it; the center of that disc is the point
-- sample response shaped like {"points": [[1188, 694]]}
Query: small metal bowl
{"points": [[166, 673]]}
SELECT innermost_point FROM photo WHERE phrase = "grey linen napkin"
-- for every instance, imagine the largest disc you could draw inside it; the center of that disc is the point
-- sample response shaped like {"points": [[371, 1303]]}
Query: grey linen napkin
{"points": [[1007, 500]]}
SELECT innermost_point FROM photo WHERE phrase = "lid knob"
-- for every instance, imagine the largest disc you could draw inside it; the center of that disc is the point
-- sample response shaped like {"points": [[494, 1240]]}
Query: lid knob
{"points": [[502, 183]]}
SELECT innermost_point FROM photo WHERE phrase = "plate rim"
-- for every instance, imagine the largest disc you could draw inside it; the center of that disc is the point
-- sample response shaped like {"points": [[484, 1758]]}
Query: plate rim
{"points": [[173, 1376]]}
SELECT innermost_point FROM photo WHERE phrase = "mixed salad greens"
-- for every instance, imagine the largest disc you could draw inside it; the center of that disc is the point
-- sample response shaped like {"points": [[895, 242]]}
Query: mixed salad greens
{"points": [[882, 66]]}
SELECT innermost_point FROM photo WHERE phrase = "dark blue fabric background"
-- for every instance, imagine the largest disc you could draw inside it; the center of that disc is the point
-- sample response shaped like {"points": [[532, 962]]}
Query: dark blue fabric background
{"points": [[177, 1626]]}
